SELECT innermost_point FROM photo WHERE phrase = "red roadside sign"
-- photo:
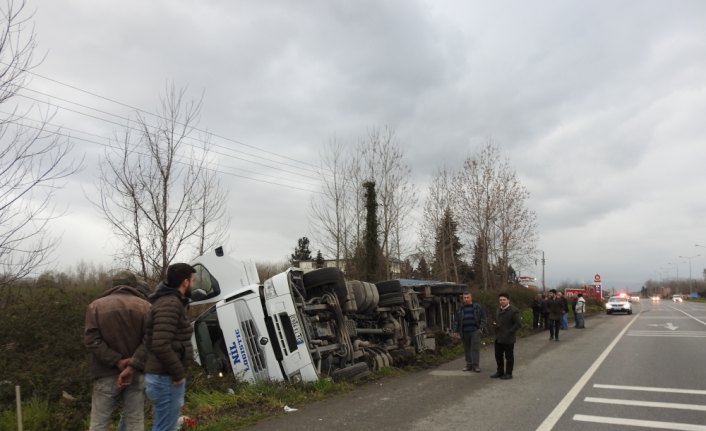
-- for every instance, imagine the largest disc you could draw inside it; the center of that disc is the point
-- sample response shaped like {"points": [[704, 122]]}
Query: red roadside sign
{"points": [[597, 278]]}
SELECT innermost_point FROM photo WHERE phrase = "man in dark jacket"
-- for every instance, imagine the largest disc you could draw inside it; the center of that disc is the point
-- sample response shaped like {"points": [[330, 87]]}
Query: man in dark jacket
{"points": [[536, 311], [167, 348], [507, 323], [469, 325], [555, 307], [114, 329]]}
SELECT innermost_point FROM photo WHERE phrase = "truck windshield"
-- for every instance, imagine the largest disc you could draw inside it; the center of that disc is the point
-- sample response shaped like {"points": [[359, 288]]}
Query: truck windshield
{"points": [[205, 285]]}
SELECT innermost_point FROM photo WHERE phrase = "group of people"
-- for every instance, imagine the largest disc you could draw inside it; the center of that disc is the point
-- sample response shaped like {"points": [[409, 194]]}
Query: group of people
{"points": [[470, 324], [551, 311], [140, 343]]}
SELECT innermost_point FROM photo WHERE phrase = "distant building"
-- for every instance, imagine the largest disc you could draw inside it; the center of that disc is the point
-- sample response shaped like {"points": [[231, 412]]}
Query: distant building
{"points": [[528, 282]]}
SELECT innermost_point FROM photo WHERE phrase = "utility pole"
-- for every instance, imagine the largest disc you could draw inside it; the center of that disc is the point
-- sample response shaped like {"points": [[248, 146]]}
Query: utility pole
{"points": [[691, 285], [544, 288]]}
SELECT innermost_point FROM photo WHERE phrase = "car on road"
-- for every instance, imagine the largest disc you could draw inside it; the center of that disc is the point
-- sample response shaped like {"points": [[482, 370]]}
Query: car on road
{"points": [[618, 304], [655, 298], [677, 298]]}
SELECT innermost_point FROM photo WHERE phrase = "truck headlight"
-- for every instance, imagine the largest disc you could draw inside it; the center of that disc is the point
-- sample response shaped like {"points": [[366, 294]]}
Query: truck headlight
{"points": [[296, 378], [270, 291]]}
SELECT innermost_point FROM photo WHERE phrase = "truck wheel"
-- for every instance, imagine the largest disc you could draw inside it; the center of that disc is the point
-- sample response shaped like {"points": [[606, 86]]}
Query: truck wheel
{"points": [[327, 277], [354, 372], [390, 286], [373, 290], [359, 292], [389, 299]]}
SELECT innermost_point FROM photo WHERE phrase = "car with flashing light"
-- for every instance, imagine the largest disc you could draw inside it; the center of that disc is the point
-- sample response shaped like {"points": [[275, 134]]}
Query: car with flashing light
{"points": [[618, 304], [677, 298], [655, 298]]}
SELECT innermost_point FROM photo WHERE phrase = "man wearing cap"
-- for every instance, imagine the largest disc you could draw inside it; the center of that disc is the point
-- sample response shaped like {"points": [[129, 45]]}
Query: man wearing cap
{"points": [[114, 328]]}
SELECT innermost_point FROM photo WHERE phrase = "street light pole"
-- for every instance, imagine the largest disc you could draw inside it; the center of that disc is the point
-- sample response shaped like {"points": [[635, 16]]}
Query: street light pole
{"points": [[691, 286], [676, 265], [544, 287]]}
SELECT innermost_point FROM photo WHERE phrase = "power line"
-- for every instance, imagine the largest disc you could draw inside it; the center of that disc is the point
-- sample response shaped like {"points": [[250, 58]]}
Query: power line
{"points": [[155, 115], [127, 119], [57, 133], [140, 130]]}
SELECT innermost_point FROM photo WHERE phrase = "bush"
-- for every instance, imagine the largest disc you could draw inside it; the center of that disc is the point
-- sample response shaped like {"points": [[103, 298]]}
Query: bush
{"points": [[35, 416], [41, 350]]}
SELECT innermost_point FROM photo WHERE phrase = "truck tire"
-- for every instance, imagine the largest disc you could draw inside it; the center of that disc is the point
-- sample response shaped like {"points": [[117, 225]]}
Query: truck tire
{"points": [[353, 372], [390, 299], [360, 292], [390, 286], [373, 290], [327, 277]]}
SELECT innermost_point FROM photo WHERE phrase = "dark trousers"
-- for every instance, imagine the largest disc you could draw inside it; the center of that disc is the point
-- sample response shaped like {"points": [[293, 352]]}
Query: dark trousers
{"points": [[545, 321], [536, 314], [505, 357], [554, 326], [471, 347], [579, 320]]}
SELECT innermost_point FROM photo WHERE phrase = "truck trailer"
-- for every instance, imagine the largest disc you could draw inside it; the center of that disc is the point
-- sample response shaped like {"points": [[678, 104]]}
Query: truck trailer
{"points": [[303, 325]]}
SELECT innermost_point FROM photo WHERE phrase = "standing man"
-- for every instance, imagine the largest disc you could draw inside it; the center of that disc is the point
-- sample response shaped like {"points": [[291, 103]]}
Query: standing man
{"points": [[565, 313], [555, 308], [470, 324], [507, 322], [574, 300], [114, 328], [580, 309], [536, 311], [167, 348], [545, 312]]}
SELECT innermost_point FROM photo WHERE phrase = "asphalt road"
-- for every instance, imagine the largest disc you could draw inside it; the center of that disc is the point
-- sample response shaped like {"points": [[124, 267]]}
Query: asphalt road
{"points": [[642, 371]]}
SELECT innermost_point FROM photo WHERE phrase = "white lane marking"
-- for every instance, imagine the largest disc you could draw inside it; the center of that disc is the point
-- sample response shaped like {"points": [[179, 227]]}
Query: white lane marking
{"points": [[688, 334], [698, 407], [656, 331], [564, 404], [652, 389], [639, 423], [681, 311], [668, 325]]}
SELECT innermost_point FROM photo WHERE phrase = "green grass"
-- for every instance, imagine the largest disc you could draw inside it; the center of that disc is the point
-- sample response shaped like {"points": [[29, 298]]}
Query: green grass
{"points": [[36, 416]]}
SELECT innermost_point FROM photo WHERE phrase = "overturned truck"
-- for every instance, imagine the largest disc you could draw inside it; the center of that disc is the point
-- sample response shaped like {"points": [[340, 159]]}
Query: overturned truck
{"points": [[300, 326]]}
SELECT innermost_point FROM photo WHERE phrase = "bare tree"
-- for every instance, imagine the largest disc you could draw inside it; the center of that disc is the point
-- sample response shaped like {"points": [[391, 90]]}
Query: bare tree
{"points": [[476, 204], [516, 224], [383, 159], [330, 219], [156, 191], [491, 205], [439, 199], [33, 158], [213, 220], [339, 213]]}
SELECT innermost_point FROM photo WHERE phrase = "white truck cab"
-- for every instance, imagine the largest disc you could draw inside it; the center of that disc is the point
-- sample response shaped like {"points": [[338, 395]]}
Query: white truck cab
{"points": [[300, 325]]}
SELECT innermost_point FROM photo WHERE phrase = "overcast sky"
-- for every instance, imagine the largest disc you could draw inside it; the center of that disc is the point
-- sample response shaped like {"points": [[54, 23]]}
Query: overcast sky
{"points": [[600, 107]]}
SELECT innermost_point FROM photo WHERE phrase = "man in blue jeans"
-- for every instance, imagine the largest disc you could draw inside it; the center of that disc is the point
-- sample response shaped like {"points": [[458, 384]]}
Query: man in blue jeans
{"points": [[167, 349]]}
